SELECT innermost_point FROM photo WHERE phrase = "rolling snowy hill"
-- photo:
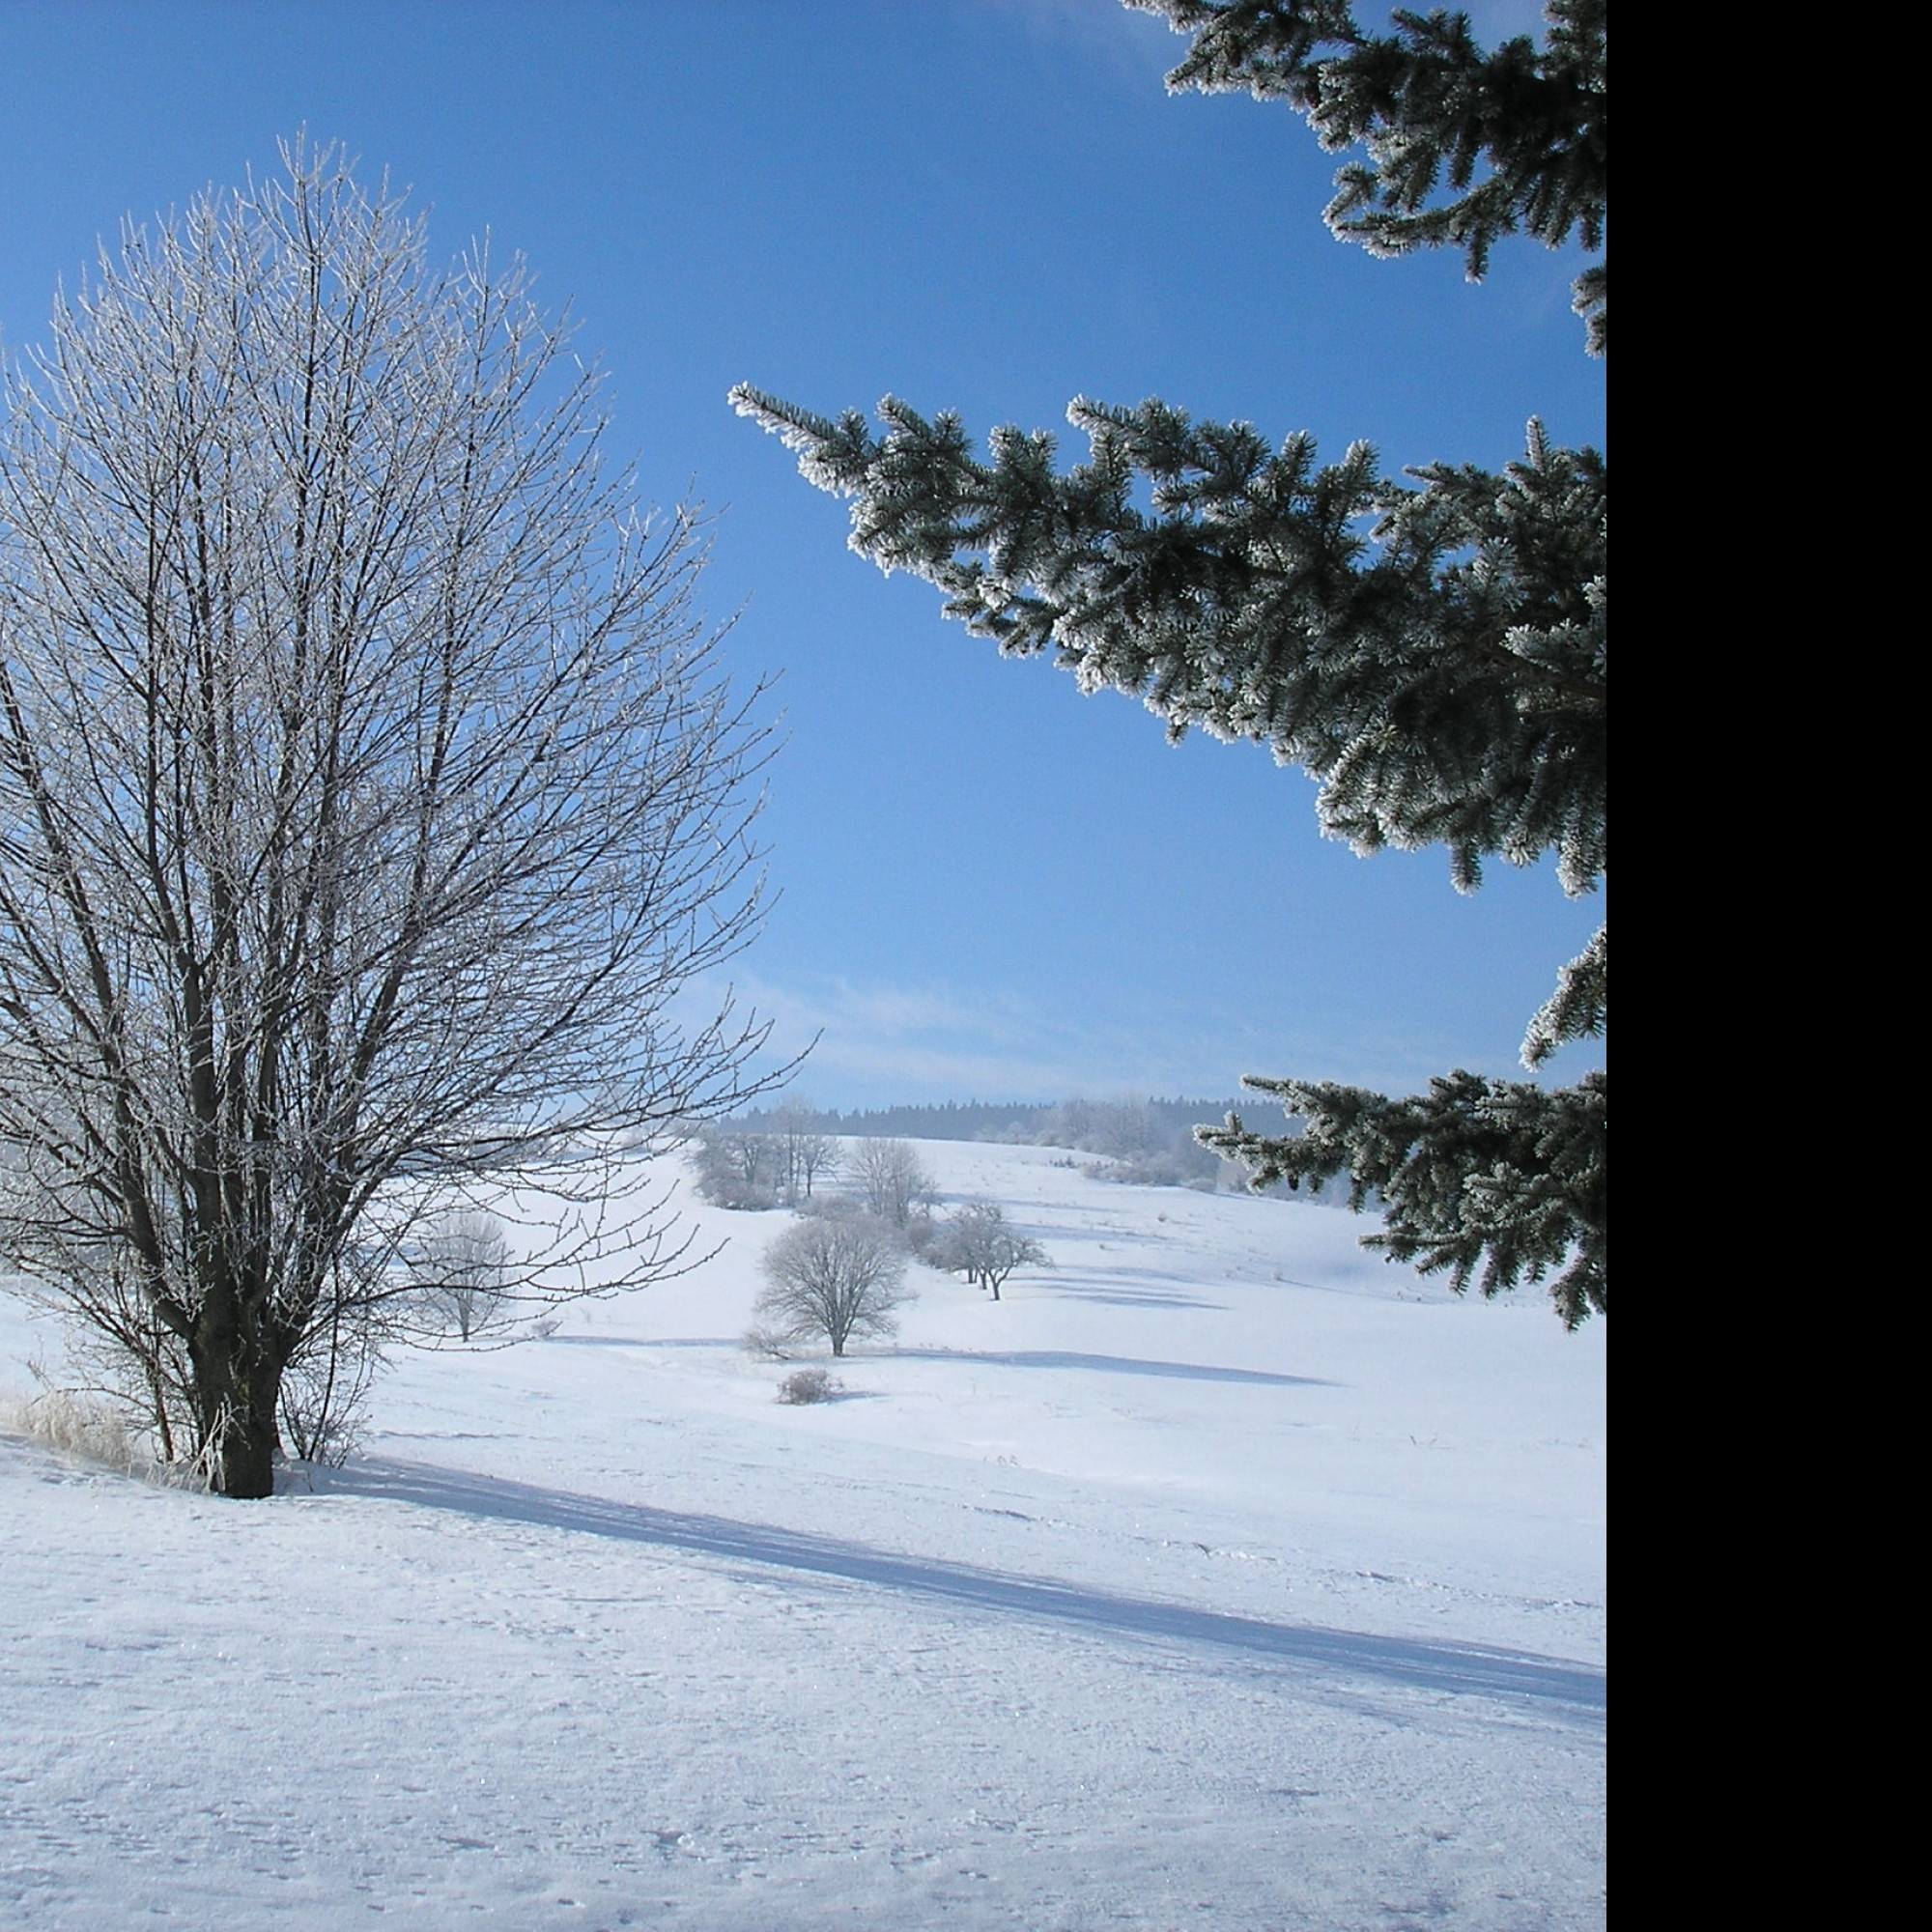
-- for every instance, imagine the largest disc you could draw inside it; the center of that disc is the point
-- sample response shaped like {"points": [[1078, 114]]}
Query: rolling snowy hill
{"points": [[1221, 1575]]}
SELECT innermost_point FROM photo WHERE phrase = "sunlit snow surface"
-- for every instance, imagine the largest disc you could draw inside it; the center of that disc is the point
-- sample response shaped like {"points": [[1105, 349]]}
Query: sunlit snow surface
{"points": [[1221, 1575]]}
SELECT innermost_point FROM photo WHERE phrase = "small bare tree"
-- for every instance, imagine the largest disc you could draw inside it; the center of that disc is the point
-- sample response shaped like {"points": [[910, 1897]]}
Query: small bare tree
{"points": [[368, 795], [836, 1278], [805, 1155], [735, 1168], [890, 1178], [980, 1243], [463, 1273]]}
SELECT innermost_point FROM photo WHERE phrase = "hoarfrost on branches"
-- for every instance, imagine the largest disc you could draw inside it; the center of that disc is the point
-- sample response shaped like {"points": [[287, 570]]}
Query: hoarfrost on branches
{"points": [[369, 792]]}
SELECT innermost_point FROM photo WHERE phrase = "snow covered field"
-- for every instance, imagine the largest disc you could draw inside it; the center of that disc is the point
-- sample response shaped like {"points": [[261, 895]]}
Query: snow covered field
{"points": [[1222, 1575]]}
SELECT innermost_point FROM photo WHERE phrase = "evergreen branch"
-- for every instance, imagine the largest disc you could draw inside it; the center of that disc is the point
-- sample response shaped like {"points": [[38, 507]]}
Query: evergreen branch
{"points": [[1436, 657], [1498, 1181], [1580, 1009], [1432, 110], [1592, 301]]}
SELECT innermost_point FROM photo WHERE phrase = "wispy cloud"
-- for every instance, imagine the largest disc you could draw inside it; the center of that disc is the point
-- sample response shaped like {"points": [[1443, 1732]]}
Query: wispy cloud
{"points": [[880, 1043], [1103, 35]]}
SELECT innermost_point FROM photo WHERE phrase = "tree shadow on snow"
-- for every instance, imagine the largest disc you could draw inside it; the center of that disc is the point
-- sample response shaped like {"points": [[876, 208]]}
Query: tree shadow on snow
{"points": [[646, 1341], [1119, 1365], [1115, 1289], [1548, 1685]]}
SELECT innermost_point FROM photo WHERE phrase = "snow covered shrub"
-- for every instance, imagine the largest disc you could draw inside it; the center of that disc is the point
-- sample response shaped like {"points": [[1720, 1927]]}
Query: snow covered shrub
{"points": [[99, 1427], [809, 1385], [767, 1344]]}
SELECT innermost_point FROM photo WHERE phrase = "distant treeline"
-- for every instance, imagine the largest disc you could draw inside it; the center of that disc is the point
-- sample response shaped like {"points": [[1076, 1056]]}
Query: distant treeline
{"points": [[1150, 1142], [1019, 1123], [954, 1120]]}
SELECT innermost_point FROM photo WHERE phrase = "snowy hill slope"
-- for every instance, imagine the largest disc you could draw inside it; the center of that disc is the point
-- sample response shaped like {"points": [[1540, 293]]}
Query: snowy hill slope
{"points": [[1220, 1575]]}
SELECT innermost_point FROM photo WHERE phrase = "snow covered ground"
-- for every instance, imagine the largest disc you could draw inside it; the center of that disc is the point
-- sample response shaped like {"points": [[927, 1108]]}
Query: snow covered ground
{"points": [[1221, 1575]]}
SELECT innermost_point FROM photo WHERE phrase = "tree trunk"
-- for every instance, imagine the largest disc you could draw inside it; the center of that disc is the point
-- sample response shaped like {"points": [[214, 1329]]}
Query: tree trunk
{"points": [[245, 1453], [237, 1387]]}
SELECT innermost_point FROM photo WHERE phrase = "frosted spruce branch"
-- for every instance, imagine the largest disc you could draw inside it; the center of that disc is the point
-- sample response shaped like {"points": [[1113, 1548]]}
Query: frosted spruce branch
{"points": [[1433, 651], [1436, 657], [1498, 1181], [1519, 136]]}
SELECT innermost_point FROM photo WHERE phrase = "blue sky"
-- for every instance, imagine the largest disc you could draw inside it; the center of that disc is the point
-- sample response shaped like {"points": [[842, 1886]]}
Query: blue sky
{"points": [[989, 885]]}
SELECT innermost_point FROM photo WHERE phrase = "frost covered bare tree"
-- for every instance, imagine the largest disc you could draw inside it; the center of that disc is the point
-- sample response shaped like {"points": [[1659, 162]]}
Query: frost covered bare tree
{"points": [[832, 1277], [462, 1270], [980, 1243], [890, 1178], [804, 1155], [734, 1166], [369, 793]]}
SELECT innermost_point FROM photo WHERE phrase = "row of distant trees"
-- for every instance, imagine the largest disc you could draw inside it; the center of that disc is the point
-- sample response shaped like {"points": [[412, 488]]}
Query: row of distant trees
{"points": [[774, 1157], [782, 1158]]}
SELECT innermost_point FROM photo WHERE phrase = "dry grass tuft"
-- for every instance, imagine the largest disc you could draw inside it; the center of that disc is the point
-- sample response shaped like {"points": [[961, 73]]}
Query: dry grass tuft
{"points": [[91, 1430]]}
